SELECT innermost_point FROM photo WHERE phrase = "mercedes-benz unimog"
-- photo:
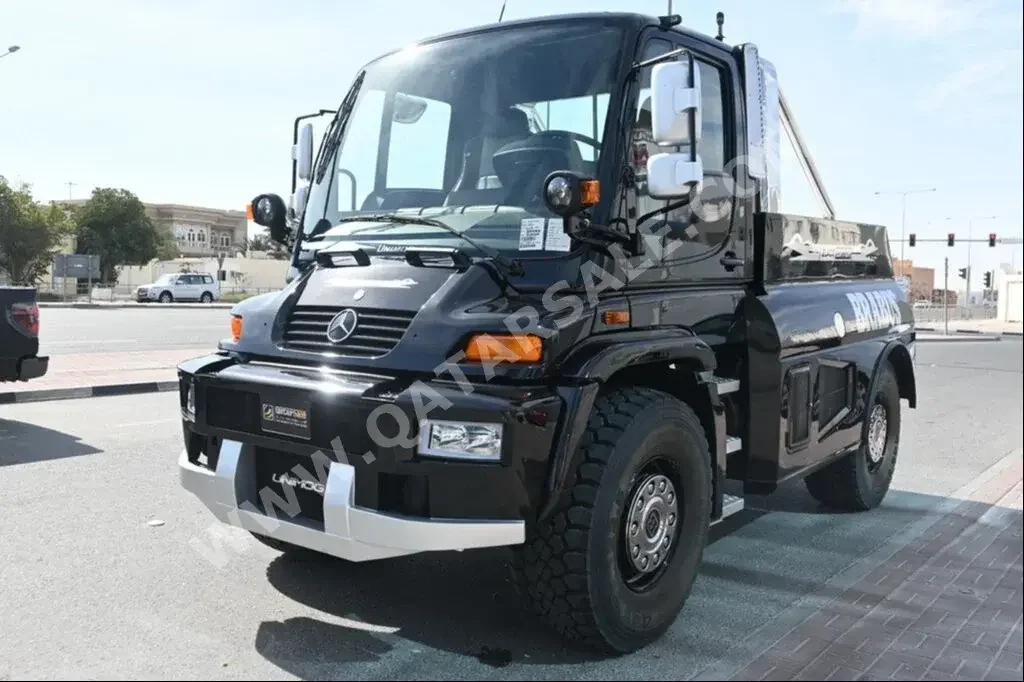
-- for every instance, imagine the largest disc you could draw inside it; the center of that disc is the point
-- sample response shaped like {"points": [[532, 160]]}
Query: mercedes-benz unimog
{"points": [[542, 297]]}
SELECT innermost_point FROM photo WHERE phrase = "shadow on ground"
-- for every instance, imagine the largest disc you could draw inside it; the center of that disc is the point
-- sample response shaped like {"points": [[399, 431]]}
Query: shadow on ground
{"points": [[25, 443], [465, 603]]}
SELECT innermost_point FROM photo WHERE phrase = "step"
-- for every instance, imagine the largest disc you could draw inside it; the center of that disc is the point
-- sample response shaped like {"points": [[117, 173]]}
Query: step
{"points": [[726, 385], [731, 504], [733, 444]]}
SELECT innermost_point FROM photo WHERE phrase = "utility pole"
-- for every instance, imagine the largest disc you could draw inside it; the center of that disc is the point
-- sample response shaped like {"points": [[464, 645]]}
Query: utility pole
{"points": [[70, 185], [945, 294]]}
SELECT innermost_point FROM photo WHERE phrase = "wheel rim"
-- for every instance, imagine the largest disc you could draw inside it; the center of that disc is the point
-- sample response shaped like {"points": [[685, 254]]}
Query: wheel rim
{"points": [[650, 528], [878, 431]]}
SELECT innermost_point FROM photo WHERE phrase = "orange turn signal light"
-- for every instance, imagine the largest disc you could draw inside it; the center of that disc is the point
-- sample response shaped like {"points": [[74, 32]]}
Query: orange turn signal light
{"points": [[590, 193], [236, 328], [615, 317], [249, 215], [520, 348]]}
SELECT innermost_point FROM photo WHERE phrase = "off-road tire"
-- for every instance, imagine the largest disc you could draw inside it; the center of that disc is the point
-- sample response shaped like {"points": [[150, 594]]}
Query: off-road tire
{"points": [[856, 482], [571, 568]]}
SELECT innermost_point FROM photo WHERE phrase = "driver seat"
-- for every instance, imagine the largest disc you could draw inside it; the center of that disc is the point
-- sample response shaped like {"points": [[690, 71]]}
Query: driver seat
{"points": [[478, 183]]}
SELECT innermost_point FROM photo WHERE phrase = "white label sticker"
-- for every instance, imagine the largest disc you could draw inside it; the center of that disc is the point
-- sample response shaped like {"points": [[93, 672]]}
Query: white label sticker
{"points": [[531, 234], [557, 239]]}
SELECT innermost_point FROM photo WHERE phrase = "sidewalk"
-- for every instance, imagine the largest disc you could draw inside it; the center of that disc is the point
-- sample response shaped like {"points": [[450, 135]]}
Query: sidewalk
{"points": [[86, 374], [944, 603], [974, 327]]}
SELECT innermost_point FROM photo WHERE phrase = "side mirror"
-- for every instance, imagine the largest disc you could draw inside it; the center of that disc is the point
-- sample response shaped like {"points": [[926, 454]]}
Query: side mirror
{"points": [[302, 153], [675, 103], [675, 121], [670, 176], [408, 109], [268, 210]]}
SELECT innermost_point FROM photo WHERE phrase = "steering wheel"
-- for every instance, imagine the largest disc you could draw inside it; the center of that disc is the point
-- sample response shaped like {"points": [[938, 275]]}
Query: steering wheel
{"points": [[579, 137]]}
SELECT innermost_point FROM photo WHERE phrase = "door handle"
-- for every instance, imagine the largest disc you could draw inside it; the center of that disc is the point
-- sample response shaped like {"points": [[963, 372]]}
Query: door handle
{"points": [[731, 262]]}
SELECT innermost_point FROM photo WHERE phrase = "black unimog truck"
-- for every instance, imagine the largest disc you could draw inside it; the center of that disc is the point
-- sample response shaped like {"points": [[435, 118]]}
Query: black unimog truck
{"points": [[542, 297]]}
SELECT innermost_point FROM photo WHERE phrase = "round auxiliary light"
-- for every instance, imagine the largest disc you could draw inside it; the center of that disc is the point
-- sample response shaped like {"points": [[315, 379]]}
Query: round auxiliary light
{"points": [[567, 192], [265, 210], [559, 193]]}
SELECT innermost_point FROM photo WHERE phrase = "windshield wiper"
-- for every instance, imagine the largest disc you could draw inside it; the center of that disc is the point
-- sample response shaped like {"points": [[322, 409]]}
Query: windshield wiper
{"points": [[509, 265], [332, 138]]}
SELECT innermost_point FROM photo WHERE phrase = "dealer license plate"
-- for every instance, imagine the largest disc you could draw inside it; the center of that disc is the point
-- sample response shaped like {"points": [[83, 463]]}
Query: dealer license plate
{"points": [[285, 417]]}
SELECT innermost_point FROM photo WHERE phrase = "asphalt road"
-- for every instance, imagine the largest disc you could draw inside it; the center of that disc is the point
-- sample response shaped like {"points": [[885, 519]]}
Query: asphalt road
{"points": [[98, 330], [88, 588]]}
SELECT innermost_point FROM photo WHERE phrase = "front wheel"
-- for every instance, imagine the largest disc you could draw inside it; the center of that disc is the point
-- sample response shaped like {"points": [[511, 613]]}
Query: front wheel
{"points": [[615, 564]]}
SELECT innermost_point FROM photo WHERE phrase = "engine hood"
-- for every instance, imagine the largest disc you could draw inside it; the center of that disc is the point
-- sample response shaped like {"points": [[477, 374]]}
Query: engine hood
{"points": [[386, 284]]}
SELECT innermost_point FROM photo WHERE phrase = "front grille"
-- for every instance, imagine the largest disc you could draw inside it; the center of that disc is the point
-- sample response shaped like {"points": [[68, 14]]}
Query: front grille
{"points": [[377, 331]]}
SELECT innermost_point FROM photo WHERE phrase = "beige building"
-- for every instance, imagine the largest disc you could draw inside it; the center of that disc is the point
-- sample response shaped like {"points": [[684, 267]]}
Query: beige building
{"points": [[199, 231]]}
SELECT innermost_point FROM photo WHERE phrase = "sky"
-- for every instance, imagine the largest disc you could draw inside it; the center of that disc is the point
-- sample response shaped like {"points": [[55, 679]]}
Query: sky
{"points": [[192, 102]]}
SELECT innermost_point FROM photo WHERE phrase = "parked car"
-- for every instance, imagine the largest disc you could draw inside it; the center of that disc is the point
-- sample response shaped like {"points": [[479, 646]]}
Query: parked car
{"points": [[185, 286], [19, 336]]}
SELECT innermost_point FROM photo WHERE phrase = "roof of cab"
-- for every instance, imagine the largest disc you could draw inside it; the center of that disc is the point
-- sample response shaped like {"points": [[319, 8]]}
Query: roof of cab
{"points": [[632, 20]]}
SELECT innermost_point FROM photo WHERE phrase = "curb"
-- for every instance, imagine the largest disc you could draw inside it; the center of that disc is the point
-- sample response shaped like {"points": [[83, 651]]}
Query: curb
{"points": [[954, 330], [118, 306], [972, 338], [99, 391]]}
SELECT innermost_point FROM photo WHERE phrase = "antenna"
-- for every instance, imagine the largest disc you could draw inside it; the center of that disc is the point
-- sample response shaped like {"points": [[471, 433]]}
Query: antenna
{"points": [[502, 14], [720, 19]]}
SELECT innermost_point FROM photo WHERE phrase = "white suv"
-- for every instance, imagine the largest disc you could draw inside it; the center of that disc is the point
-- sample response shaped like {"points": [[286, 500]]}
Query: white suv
{"points": [[186, 286]]}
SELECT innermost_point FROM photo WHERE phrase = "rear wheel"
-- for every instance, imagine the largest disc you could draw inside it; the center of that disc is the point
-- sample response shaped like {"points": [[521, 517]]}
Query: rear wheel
{"points": [[860, 480], [207, 297], [615, 564]]}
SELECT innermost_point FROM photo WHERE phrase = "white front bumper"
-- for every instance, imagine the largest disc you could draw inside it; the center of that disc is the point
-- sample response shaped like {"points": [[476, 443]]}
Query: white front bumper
{"points": [[348, 531]]}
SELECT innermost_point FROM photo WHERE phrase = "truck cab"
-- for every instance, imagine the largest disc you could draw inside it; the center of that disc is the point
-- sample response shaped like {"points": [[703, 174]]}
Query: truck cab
{"points": [[542, 297]]}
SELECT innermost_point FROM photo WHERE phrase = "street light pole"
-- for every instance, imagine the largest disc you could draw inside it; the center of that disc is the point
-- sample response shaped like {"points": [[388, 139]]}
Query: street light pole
{"points": [[903, 223], [11, 50]]}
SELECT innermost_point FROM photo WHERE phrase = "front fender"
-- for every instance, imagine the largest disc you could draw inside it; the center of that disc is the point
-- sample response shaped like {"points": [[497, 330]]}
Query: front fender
{"points": [[601, 356], [588, 368]]}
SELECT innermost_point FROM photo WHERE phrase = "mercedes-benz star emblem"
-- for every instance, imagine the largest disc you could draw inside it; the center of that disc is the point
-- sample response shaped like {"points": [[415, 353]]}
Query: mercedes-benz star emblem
{"points": [[342, 325]]}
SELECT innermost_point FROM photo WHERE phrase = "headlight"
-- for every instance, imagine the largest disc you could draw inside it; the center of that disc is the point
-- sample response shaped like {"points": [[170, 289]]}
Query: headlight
{"points": [[461, 440]]}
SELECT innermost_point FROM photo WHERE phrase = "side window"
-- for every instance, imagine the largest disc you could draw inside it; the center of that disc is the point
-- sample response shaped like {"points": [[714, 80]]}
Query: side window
{"points": [[418, 150], [208, 279], [690, 236]]}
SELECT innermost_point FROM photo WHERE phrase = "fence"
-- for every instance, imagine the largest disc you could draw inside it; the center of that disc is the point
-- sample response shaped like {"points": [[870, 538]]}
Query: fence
{"points": [[935, 313], [122, 293]]}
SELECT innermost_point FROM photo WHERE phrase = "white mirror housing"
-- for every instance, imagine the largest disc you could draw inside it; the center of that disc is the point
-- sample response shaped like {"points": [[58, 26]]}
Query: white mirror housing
{"points": [[670, 176], [675, 103], [298, 201], [302, 152]]}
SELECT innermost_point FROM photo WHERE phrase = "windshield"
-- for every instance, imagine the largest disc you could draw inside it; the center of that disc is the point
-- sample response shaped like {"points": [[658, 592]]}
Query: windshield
{"points": [[165, 279], [465, 131]]}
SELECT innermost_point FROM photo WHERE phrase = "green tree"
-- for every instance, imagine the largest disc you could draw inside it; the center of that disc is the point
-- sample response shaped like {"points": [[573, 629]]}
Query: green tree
{"points": [[31, 234], [113, 225]]}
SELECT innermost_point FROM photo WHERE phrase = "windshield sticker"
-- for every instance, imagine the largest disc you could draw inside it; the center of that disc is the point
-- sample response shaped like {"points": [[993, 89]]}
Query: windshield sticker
{"points": [[557, 239], [531, 234]]}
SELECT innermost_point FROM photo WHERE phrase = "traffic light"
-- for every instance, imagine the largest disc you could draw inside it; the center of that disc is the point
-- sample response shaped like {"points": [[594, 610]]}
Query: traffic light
{"points": [[992, 239], [949, 239], [988, 279], [913, 238], [963, 273]]}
